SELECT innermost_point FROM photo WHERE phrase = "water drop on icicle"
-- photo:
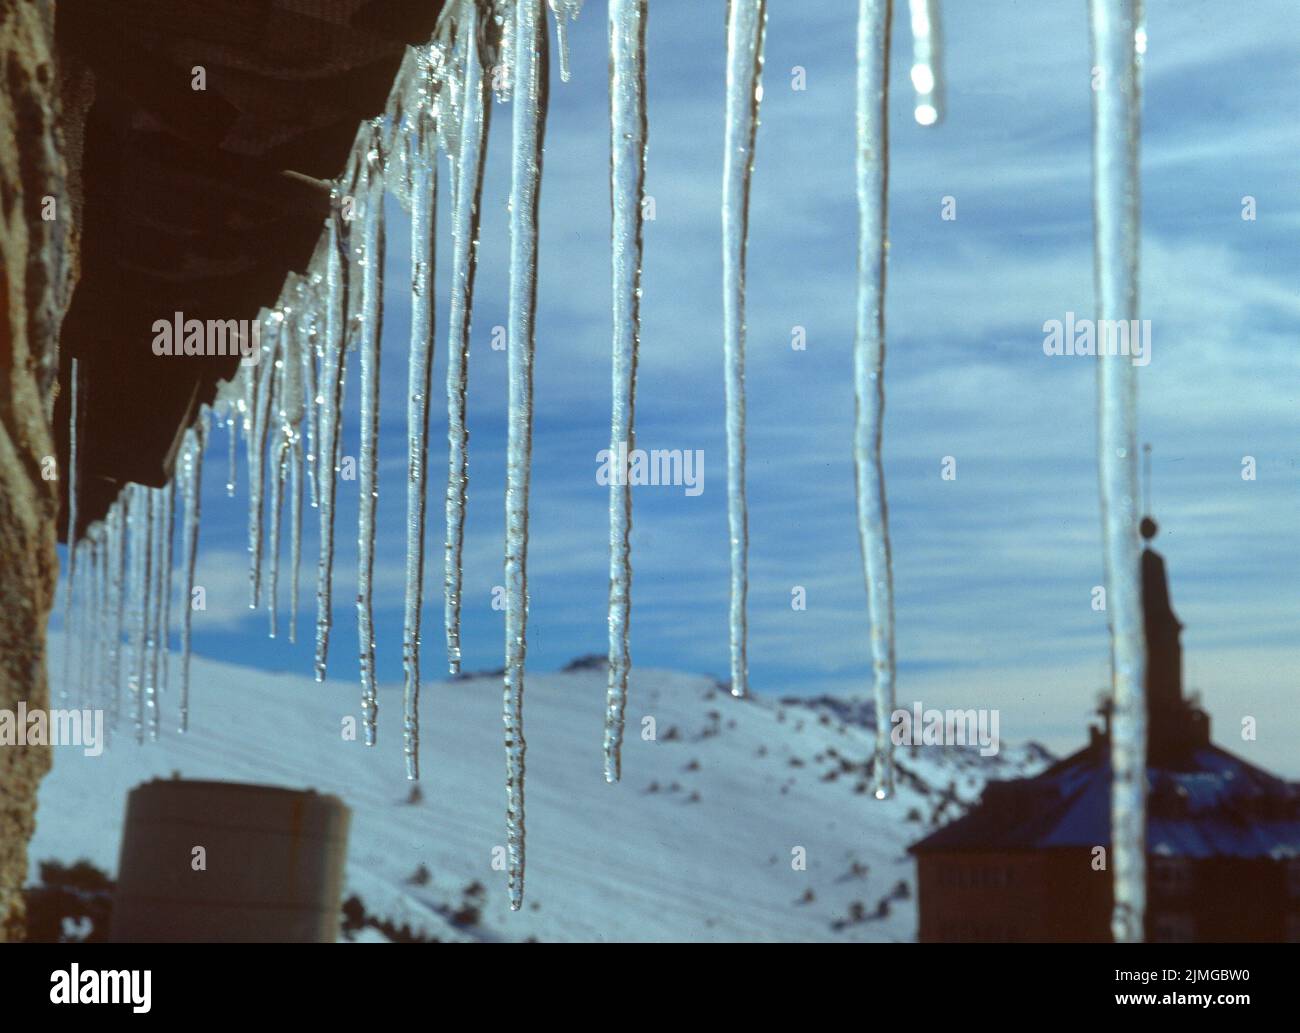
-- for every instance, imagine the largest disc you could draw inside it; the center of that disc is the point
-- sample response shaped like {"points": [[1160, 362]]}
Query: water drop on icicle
{"points": [[467, 196], [528, 119], [372, 291], [1118, 35], [628, 130], [927, 61], [869, 365], [424, 196], [565, 11], [191, 494], [746, 24]]}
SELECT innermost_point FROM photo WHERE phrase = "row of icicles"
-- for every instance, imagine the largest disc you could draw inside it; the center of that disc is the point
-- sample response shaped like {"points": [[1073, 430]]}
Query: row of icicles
{"points": [[287, 406]]}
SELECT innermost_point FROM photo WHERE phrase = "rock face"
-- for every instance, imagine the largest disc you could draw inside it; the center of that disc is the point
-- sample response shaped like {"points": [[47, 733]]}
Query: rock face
{"points": [[33, 280]]}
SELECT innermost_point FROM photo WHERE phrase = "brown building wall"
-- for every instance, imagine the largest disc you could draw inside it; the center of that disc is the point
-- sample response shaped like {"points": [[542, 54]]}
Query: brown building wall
{"points": [[1057, 896]]}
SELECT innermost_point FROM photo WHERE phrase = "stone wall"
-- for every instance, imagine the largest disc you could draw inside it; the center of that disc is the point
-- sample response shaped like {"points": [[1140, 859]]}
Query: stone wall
{"points": [[33, 280]]}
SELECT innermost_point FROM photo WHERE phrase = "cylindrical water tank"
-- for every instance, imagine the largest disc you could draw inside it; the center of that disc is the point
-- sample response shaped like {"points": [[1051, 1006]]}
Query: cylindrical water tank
{"points": [[224, 862]]}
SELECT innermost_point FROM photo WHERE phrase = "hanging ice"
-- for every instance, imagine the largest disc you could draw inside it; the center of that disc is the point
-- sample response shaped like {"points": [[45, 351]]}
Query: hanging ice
{"points": [[140, 519], [76, 406], [159, 499], [261, 383], [746, 23], [628, 131], [332, 382], [1118, 36], [565, 11], [424, 195], [372, 294], [869, 364], [927, 61], [118, 528], [191, 477], [529, 122], [467, 154]]}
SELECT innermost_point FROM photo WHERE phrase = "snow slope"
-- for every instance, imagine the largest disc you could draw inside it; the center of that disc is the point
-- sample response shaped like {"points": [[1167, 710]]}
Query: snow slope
{"points": [[698, 842]]}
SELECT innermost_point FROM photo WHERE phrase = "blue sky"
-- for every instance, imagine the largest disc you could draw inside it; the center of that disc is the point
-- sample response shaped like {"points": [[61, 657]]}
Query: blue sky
{"points": [[993, 571]]}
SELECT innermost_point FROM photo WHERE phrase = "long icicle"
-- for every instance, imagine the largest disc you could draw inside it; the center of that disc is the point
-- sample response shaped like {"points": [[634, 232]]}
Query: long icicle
{"points": [[76, 419], [141, 518], [169, 533], [467, 195], [424, 199], [332, 383], [280, 453], [192, 494], [746, 24], [565, 11], [927, 61], [1118, 36], [159, 498], [262, 379], [627, 135], [529, 126], [869, 365], [119, 527], [372, 293]]}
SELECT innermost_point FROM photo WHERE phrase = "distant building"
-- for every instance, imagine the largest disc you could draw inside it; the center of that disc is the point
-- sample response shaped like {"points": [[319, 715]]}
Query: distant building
{"points": [[1223, 836]]}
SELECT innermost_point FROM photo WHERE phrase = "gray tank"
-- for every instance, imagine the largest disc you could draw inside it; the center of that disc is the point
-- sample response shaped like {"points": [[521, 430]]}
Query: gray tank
{"points": [[270, 868]]}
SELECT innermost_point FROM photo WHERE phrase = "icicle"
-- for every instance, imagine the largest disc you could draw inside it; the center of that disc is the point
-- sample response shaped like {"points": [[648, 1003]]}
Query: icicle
{"points": [[169, 530], [232, 440], [310, 354], [373, 314], [158, 500], [1118, 40], [118, 526], [86, 616], [467, 195], [628, 130], [529, 124], [192, 494], [333, 371], [565, 11], [503, 66], [927, 61], [105, 623], [140, 519], [869, 365], [294, 414], [76, 417], [279, 473], [746, 23], [424, 197], [262, 377]]}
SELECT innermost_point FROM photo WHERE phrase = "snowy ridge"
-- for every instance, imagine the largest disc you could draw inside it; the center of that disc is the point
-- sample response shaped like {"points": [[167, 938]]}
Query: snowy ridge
{"points": [[695, 843]]}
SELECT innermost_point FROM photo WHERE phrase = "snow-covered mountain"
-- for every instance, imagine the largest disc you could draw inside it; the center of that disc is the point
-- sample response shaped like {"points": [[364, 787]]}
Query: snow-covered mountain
{"points": [[699, 841]]}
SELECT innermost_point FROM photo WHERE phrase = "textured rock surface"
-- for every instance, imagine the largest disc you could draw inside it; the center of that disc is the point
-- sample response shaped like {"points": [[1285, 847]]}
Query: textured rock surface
{"points": [[34, 295]]}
